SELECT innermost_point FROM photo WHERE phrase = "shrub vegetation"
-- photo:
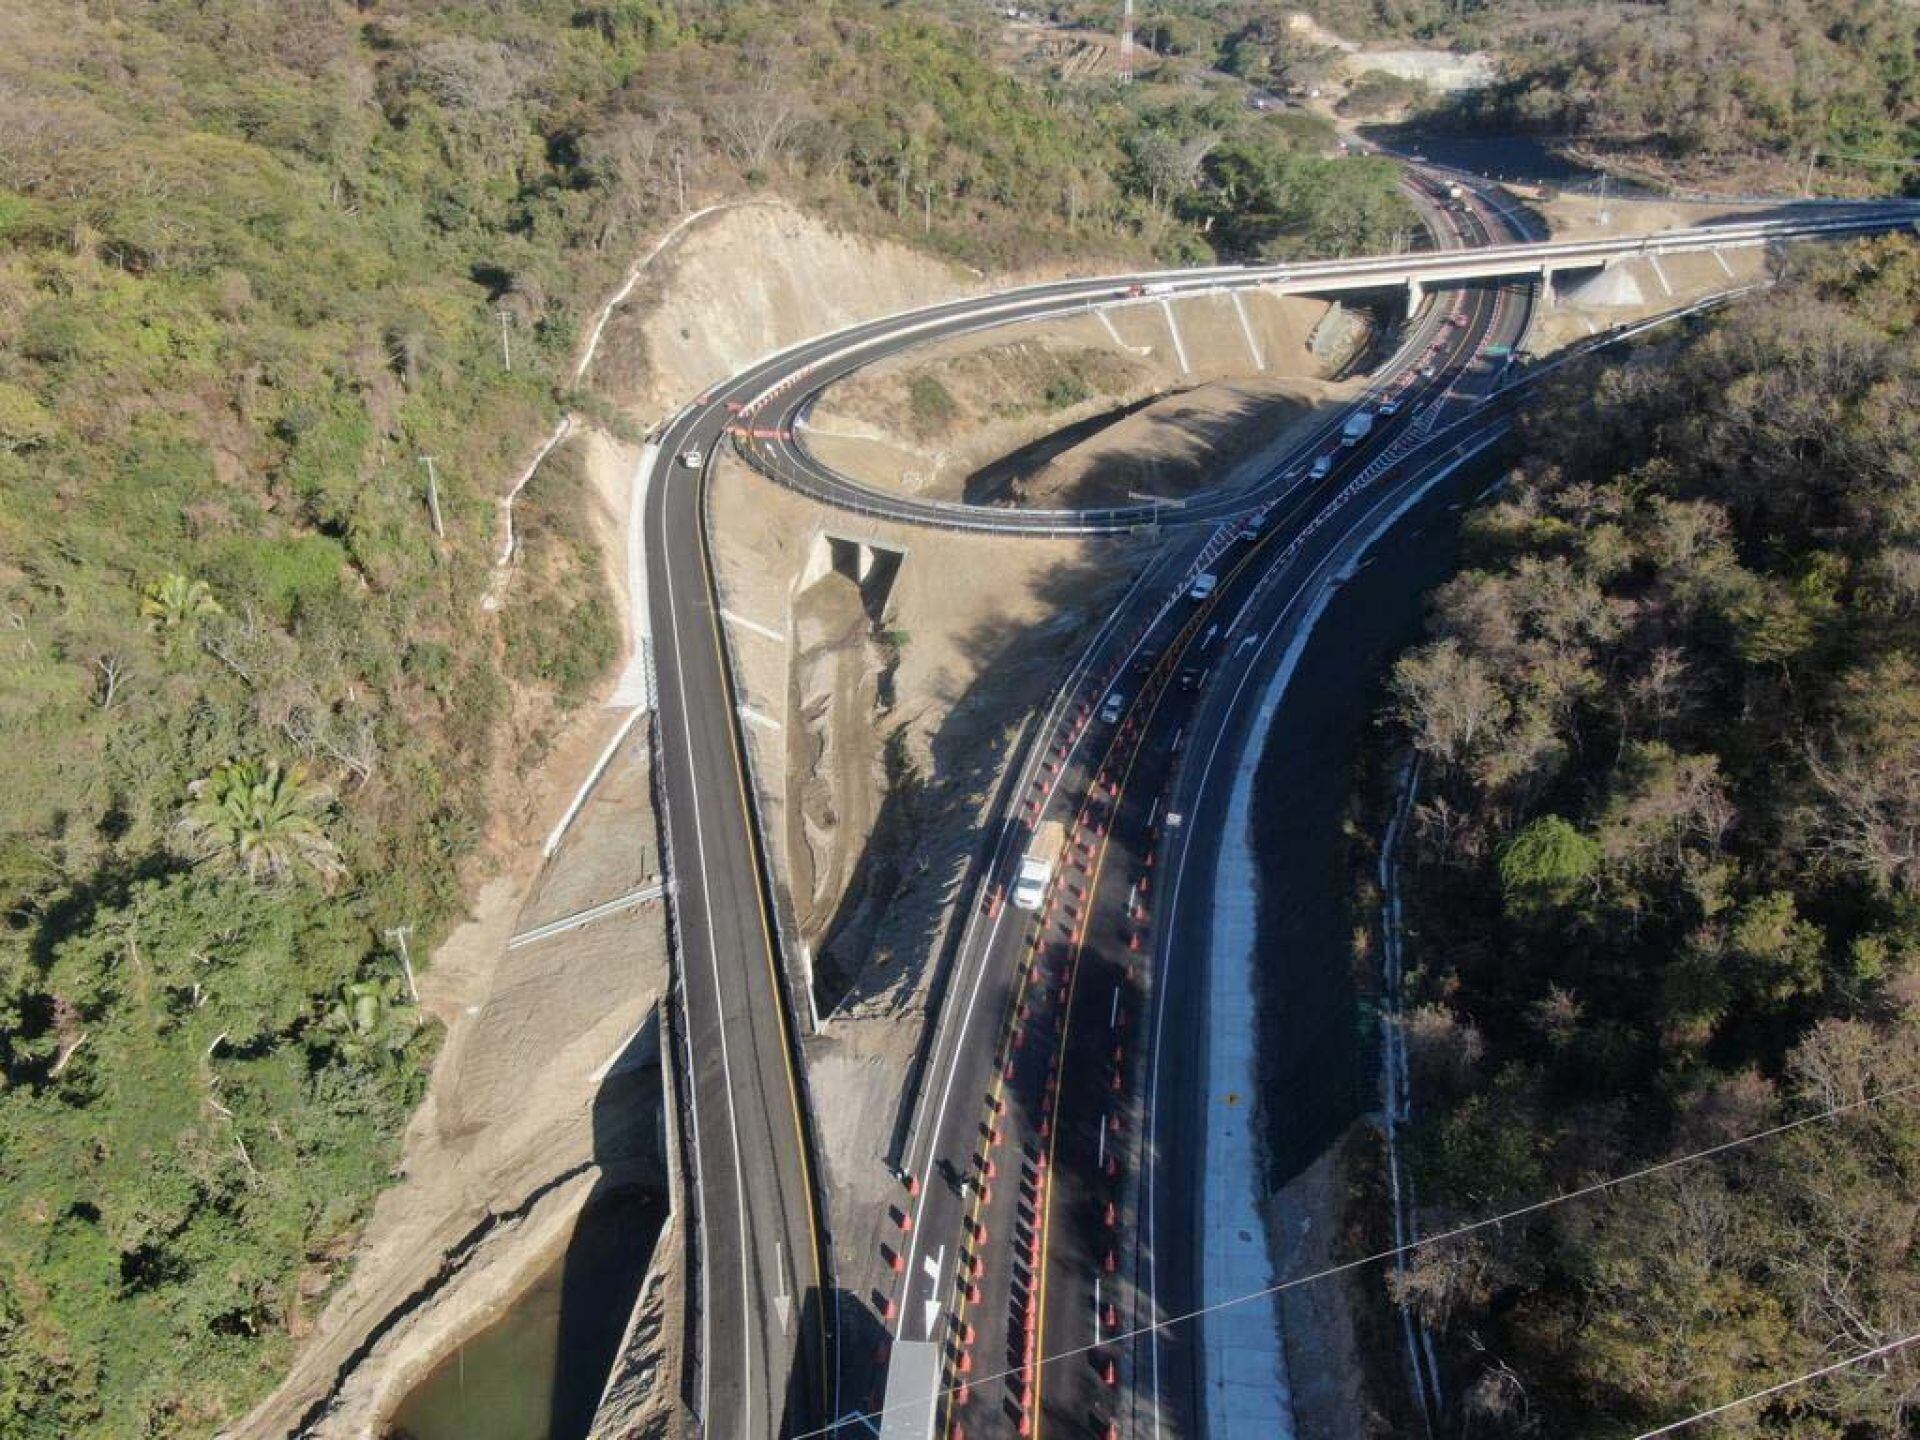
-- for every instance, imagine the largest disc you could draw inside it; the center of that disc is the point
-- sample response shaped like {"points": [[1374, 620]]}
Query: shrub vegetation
{"points": [[1667, 884]]}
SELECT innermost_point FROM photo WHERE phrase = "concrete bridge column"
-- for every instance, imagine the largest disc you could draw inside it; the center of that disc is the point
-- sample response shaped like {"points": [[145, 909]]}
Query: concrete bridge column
{"points": [[1546, 286], [1416, 292]]}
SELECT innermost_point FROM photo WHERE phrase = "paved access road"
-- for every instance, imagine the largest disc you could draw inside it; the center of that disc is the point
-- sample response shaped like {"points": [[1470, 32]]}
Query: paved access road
{"points": [[764, 1341]]}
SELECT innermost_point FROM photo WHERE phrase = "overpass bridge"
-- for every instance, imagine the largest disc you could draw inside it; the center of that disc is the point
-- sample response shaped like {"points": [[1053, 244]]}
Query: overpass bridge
{"points": [[764, 409], [1543, 259]]}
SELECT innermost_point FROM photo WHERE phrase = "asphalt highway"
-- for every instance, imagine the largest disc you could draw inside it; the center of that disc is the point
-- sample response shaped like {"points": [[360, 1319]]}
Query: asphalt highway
{"points": [[1029, 1047], [767, 1300], [764, 1296]]}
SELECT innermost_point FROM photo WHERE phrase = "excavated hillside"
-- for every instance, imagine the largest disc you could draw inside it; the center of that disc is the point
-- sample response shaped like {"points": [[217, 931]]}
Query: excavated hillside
{"points": [[1142, 398]]}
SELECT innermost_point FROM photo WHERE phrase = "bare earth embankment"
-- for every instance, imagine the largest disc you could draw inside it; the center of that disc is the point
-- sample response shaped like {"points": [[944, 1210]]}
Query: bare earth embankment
{"points": [[1145, 398]]}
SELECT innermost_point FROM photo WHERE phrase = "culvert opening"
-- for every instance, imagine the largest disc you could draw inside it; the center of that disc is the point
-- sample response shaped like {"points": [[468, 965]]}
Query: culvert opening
{"points": [[872, 568]]}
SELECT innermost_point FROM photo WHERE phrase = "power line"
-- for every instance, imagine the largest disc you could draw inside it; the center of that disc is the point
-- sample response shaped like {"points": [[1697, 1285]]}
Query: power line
{"points": [[1598, 1187], [1865, 1355]]}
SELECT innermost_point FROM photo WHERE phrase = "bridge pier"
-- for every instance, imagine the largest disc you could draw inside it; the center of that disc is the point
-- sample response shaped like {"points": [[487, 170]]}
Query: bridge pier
{"points": [[1416, 292], [1546, 287]]}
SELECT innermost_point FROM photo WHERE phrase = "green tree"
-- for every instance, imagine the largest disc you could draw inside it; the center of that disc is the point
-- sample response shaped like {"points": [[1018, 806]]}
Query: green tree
{"points": [[175, 602], [1550, 859], [371, 1021], [264, 820]]}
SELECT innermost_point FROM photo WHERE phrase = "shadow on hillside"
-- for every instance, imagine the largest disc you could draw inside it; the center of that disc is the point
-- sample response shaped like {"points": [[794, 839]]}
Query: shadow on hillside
{"points": [[613, 1240]]}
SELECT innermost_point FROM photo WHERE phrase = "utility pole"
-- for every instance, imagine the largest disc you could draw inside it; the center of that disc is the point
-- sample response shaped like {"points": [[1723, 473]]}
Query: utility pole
{"points": [[506, 347], [1126, 41], [926, 214], [1806, 185], [433, 497], [399, 937]]}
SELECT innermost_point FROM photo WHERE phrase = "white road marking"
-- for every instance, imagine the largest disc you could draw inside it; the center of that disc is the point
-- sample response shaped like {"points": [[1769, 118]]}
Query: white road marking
{"points": [[1076, 676], [755, 626], [783, 1302], [726, 1067]]}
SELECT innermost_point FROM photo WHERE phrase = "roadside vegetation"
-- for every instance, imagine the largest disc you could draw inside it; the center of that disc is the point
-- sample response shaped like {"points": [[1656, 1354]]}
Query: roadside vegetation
{"points": [[259, 265], [1665, 879]]}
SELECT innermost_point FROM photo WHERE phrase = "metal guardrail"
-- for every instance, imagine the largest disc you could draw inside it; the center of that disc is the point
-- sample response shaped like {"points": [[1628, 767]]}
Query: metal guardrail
{"points": [[798, 470]]}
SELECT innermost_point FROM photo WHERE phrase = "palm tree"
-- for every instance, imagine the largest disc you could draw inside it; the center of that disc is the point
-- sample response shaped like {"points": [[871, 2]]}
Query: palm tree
{"points": [[264, 820], [370, 1020], [174, 602]]}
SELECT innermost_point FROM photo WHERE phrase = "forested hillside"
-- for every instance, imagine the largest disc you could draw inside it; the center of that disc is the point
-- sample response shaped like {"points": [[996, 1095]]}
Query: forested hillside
{"points": [[259, 261], [1703, 85], [1697, 88], [1666, 879]]}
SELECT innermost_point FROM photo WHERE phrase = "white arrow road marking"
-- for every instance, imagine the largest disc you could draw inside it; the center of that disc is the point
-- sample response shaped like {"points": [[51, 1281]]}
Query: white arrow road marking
{"points": [[932, 1264], [783, 1302]]}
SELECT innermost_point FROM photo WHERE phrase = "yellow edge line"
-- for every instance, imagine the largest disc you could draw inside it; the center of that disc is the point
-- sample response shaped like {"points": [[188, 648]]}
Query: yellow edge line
{"points": [[771, 949]]}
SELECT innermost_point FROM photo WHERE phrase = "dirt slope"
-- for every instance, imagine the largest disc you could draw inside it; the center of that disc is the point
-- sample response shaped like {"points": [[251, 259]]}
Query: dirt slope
{"points": [[989, 416]]}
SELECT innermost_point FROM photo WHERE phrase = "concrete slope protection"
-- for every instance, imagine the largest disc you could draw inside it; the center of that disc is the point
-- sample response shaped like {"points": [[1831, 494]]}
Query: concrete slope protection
{"points": [[766, 1298]]}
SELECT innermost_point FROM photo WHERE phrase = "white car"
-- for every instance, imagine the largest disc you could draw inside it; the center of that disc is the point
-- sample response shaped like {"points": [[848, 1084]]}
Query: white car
{"points": [[1110, 712], [1322, 467], [1390, 406], [1203, 585], [691, 457]]}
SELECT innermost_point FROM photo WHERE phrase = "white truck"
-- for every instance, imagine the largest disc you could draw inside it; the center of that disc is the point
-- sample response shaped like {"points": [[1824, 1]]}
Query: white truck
{"points": [[1359, 425], [1036, 866]]}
